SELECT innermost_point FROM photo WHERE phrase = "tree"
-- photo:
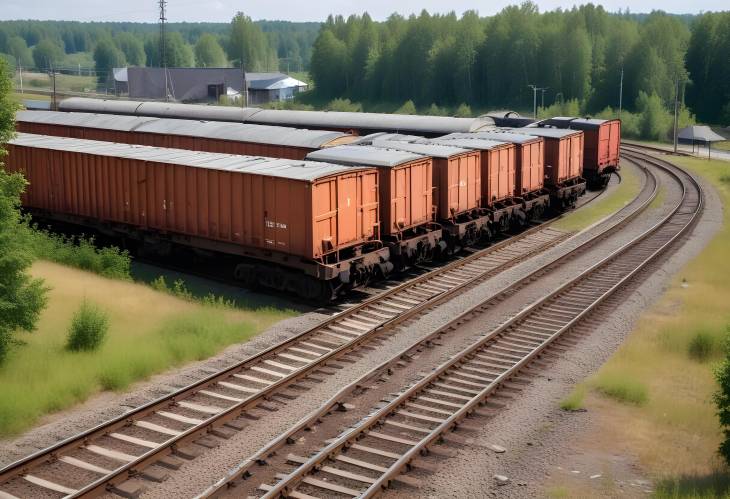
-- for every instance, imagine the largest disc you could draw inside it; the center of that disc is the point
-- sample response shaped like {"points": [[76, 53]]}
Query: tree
{"points": [[132, 48], [328, 59], [21, 297], [178, 53], [19, 49], [248, 43], [209, 53], [46, 54], [106, 57]]}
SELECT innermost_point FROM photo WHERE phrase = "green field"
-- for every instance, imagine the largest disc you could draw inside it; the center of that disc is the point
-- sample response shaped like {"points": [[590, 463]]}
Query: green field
{"points": [[605, 205], [655, 393], [150, 332]]}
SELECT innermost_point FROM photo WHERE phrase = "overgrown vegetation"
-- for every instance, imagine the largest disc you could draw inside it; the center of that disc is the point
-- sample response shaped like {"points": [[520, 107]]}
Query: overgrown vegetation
{"points": [[180, 290], [149, 332], [22, 298], [76, 251], [88, 329], [621, 387]]}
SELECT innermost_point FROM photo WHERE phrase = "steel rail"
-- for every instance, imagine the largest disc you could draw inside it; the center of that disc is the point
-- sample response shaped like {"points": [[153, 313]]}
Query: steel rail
{"points": [[168, 446], [242, 470], [287, 484]]}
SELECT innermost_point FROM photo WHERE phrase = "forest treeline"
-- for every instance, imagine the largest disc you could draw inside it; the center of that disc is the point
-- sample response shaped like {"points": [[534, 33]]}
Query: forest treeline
{"points": [[489, 62], [266, 45]]}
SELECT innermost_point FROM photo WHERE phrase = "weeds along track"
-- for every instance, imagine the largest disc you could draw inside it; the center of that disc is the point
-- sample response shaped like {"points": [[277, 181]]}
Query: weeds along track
{"points": [[146, 442], [399, 427]]}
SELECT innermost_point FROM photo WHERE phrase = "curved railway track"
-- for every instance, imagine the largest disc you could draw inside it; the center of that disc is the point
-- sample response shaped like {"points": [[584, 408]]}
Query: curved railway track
{"points": [[102, 459], [364, 459]]}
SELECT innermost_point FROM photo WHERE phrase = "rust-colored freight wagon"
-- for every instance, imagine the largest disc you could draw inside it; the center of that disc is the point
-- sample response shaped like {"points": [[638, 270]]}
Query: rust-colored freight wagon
{"points": [[501, 164], [563, 162], [458, 187], [210, 136], [529, 157], [602, 146], [314, 225], [406, 198]]}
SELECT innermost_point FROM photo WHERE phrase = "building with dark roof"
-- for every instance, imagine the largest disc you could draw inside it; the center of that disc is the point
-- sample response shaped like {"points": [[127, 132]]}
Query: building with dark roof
{"points": [[203, 84]]}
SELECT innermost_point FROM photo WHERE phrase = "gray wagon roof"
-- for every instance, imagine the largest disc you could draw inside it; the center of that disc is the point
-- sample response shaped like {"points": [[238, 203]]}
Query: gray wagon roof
{"points": [[498, 134], [363, 155], [426, 149], [547, 133], [284, 168], [468, 143], [239, 132], [305, 119]]}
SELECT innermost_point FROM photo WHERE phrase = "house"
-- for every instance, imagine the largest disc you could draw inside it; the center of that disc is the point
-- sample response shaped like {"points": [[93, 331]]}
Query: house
{"points": [[203, 84]]}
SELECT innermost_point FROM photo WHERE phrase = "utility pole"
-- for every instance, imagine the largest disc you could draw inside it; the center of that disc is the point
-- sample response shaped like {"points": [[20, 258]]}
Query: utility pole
{"points": [[535, 89], [20, 68], [163, 49], [542, 102], [621, 93], [676, 110]]}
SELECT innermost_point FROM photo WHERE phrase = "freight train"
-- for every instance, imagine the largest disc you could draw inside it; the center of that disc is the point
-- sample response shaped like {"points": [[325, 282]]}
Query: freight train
{"points": [[429, 197], [601, 145]]}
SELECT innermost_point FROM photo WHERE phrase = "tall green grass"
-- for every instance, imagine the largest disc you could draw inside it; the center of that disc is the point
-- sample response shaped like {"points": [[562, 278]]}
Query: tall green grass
{"points": [[78, 252], [574, 401], [44, 377], [621, 387]]}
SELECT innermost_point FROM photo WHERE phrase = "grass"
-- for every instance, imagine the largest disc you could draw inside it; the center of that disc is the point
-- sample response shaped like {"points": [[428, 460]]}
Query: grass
{"points": [[608, 203], [149, 332], [667, 365], [64, 82], [620, 387], [574, 401]]}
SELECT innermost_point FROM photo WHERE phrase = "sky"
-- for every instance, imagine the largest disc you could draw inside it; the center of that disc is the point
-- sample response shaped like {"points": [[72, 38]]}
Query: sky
{"points": [[299, 10]]}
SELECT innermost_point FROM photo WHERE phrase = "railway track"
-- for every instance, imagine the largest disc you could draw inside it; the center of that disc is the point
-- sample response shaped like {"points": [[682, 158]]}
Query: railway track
{"points": [[383, 445], [156, 435]]}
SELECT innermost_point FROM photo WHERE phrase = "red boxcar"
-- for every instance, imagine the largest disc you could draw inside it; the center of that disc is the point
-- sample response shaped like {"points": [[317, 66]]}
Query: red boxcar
{"points": [[406, 197], [311, 217], [602, 146]]}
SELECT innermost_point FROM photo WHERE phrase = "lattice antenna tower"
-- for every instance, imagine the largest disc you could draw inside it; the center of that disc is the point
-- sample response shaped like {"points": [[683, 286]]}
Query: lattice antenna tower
{"points": [[163, 48]]}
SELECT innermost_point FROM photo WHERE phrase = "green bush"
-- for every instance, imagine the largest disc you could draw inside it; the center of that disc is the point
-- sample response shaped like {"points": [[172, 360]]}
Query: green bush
{"points": [[722, 401], [463, 111], [701, 346], [79, 252], [408, 107], [88, 329], [344, 105], [434, 110]]}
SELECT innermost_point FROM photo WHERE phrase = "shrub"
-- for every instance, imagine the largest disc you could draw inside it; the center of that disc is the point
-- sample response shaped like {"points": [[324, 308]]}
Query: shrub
{"points": [[434, 110], [344, 105], [722, 401], [88, 328], [79, 252], [701, 346], [463, 111], [408, 107], [622, 388]]}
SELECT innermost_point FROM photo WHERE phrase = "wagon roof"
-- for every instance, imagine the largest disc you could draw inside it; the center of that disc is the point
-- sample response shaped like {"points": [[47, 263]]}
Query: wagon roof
{"points": [[469, 143], [284, 168], [577, 123], [364, 155], [498, 134], [548, 133], [239, 132], [424, 148]]}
